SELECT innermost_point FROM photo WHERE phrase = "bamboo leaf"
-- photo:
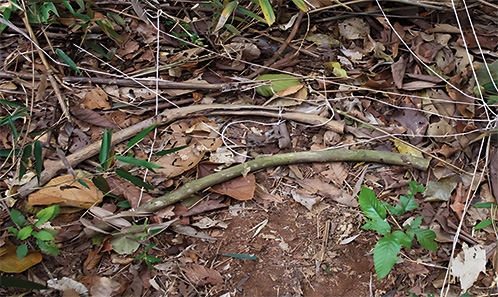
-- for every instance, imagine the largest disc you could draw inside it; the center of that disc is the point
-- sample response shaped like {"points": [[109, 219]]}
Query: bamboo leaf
{"points": [[138, 162], [140, 136], [37, 153], [301, 5], [133, 179], [67, 60], [267, 11], [225, 14]]}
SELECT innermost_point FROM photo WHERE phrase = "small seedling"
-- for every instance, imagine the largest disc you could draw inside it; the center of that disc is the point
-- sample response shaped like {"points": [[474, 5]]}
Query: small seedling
{"points": [[386, 250], [44, 236], [148, 259]]}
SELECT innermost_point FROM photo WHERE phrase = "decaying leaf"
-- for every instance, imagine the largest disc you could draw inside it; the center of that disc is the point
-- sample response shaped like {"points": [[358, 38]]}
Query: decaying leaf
{"points": [[240, 188], [67, 192], [468, 264], [201, 275]]}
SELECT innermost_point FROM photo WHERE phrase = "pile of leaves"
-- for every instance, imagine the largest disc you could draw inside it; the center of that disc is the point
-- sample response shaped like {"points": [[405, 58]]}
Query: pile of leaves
{"points": [[135, 143]]}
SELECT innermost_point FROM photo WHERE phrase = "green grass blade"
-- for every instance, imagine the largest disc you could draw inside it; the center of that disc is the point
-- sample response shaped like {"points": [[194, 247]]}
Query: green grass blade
{"points": [[267, 11], [133, 179], [140, 136], [67, 60], [250, 14]]}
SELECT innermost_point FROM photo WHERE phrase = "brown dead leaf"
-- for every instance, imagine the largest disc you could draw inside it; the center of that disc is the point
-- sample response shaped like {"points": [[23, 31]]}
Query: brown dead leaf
{"points": [[398, 69], [328, 191], [181, 161], [336, 172], [211, 204], [92, 260], [241, 188], [201, 276], [92, 117], [101, 286], [261, 193], [457, 206], [96, 99], [10, 263], [67, 192]]}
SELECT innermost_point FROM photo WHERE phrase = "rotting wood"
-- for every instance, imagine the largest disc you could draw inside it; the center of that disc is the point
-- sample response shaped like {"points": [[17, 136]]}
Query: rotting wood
{"points": [[52, 167], [340, 155]]}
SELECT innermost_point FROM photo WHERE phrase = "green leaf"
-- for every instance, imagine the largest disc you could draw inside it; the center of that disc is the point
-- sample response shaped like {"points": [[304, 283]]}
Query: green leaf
{"points": [[67, 60], [483, 224], [13, 230], [26, 153], [48, 247], [414, 189], [301, 5], [385, 255], [241, 256], [484, 205], [6, 16], [105, 154], [278, 82], [402, 238], [152, 259], [83, 183], [381, 226], [116, 18], [268, 13], [47, 214], [124, 204], [37, 153], [137, 138], [138, 162], [14, 282], [250, 14], [124, 244], [426, 238], [44, 235], [170, 151], [22, 251], [370, 205], [17, 217], [9, 152], [101, 183], [25, 232], [133, 179]]}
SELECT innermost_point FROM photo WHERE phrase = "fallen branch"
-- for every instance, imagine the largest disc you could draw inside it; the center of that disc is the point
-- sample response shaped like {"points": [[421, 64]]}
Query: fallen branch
{"points": [[166, 117], [200, 184]]}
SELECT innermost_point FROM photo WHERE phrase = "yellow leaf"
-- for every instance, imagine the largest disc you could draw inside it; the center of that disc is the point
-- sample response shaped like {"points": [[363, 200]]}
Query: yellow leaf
{"points": [[267, 11], [406, 149], [10, 263]]}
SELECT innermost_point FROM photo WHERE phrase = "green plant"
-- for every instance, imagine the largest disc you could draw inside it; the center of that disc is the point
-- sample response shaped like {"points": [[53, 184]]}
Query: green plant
{"points": [[388, 247], [44, 236], [148, 259], [485, 223], [107, 158]]}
